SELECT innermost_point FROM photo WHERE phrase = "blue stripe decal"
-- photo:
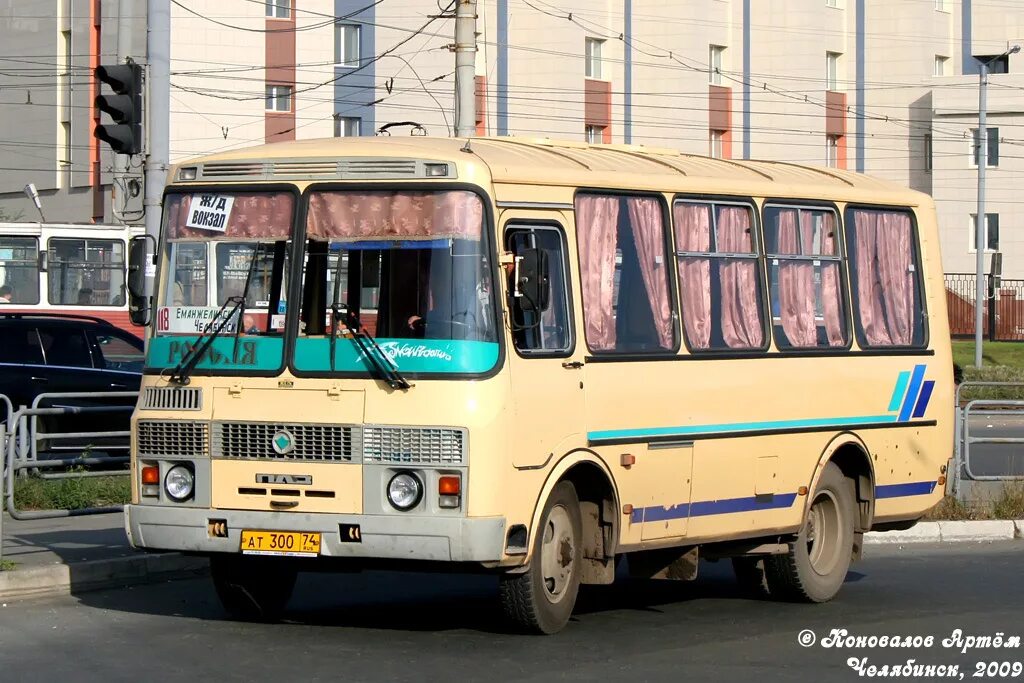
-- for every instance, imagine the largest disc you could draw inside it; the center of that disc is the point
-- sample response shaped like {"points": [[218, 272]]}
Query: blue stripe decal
{"points": [[917, 488], [912, 391], [899, 392], [922, 400], [704, 508], [687, 430]]}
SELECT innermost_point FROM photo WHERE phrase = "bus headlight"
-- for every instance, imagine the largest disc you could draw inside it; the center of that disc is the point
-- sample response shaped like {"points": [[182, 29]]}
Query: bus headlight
{"points": [[179, 482], [405, 491]]}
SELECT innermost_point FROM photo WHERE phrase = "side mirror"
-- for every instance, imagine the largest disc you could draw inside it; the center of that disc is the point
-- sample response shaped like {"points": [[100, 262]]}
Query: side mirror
{"points": [[532, 285], [138, 260]]}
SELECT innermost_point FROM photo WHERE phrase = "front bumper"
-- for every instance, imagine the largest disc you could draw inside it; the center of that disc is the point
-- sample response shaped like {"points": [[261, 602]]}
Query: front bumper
{"points": [[393, 537]]}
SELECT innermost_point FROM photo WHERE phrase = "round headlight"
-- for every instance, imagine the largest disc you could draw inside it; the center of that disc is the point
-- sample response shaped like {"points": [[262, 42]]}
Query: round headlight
{"points": [[404, 491], [179, 482]]}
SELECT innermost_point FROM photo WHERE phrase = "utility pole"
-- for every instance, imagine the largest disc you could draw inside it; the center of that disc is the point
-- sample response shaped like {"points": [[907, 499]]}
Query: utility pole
{"points": [[980, 224], [465, 68], [158, 106]]}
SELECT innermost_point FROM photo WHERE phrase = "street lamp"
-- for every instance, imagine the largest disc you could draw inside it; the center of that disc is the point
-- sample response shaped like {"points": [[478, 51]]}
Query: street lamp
{"points": [[980, 224]]}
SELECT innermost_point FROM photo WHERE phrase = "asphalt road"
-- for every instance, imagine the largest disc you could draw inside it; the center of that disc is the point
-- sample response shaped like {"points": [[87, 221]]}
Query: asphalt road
{"points": [[400, 627]]}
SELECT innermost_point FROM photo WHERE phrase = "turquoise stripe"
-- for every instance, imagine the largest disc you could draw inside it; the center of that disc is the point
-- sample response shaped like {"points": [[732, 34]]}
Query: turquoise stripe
{"points": [[686, 430], [899, 391]]}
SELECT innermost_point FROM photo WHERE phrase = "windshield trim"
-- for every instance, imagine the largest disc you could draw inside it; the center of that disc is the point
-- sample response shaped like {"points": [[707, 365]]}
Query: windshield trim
{"points": [[163, 253], [487, 236]]}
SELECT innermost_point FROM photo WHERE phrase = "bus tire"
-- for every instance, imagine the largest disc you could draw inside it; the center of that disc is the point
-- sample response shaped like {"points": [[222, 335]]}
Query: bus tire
{"points": [[815, 567], [751, 577], [252, 589], [541, 600]]}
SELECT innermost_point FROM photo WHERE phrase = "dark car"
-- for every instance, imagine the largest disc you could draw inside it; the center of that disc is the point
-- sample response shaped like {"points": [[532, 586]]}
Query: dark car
{"points": [[42, 353]]}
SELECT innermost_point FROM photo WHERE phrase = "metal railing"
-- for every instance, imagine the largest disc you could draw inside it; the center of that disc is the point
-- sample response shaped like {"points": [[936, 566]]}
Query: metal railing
{"points": [[964, 439], [1003, 317], [20, 452]]}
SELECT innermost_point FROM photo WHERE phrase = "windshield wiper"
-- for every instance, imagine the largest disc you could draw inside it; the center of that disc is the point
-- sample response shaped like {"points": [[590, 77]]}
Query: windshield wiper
{"points": [[212, 330], [245, 295], [372, 350]]}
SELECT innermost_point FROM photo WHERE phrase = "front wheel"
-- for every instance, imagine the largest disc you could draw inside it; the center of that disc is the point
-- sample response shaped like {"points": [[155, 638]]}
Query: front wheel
{"points": [[815, 567], [542, 599], [252, 589]]}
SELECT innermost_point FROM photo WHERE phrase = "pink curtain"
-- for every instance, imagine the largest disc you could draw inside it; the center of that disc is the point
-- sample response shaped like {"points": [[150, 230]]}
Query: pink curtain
{"points": [[741, 305], [796, 280], [265, 216], [596, 224], [649, 235], [831, 298], [885, 279], [693, 234], [394, 215]]}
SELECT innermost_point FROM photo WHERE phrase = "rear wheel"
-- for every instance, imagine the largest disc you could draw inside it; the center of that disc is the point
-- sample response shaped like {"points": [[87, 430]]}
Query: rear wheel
{"points": [[815, 567], [252, 589], [542, 599]]}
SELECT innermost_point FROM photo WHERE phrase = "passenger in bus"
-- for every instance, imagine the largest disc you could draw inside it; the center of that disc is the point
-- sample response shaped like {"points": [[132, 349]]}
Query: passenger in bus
{"points": [[85, 297], [6, 294]]}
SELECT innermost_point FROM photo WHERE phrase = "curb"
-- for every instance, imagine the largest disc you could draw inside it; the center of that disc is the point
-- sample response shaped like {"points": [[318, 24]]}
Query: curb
{"points": [[63, 579], [949, 532]]}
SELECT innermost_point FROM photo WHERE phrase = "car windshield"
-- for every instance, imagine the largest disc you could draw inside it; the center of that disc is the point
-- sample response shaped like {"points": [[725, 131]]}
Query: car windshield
{"points": [[411, 267]]}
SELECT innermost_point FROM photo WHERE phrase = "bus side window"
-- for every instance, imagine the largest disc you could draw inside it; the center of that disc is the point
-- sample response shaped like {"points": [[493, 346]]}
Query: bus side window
{"points": [[544, 326]]}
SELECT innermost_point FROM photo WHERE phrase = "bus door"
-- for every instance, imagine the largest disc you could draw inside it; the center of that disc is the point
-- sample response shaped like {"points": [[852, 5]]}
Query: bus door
{"points": [[545, 359]]}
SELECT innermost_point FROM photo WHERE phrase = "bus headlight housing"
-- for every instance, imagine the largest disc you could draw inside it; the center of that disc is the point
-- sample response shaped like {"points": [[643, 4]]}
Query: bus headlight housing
{"points": [[405, 491], [179, 482]]}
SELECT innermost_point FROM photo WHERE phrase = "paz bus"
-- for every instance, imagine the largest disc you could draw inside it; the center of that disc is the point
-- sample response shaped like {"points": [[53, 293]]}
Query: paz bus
{"points": [[536, 359], [65, 268]]}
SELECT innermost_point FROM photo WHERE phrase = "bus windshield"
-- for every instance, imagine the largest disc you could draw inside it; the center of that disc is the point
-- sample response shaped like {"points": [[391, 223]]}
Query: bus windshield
{"points": [[411, 268], [220, 245]]}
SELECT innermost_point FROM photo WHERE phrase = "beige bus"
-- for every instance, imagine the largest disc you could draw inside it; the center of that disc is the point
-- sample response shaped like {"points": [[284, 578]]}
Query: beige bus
{"points": [[536, 359]]}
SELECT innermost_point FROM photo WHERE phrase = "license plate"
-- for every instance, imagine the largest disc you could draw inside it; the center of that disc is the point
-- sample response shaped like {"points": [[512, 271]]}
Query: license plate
{"points": [[289, 543]]}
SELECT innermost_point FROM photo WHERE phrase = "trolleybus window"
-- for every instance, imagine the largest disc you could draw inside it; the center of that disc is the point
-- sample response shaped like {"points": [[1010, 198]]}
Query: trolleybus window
{"points": [[86, 272], [804, 276], [888, 306], [19, 270], [624, 273], [719, 282]]}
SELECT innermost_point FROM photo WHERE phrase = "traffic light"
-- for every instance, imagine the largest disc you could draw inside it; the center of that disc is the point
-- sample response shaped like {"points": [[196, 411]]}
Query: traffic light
{"points": [[125, 106]]}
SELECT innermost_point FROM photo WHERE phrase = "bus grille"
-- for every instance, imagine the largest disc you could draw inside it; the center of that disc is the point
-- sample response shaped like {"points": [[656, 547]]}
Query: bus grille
{"points": [[414, 445], [159, 438], [309, 442], [172, 398]]}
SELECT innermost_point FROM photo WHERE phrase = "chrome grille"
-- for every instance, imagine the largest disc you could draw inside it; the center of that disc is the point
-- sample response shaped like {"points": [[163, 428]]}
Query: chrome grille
{"points": [[159, 438], [311, 442], [414, 445], [172, 398]]}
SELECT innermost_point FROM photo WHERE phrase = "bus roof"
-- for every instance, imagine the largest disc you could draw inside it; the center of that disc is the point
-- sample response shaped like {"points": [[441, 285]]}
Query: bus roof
{"points": [[542, 161]]}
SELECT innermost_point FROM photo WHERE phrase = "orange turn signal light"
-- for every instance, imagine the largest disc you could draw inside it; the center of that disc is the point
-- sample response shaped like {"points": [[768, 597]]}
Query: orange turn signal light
{"points": [[449, 486], [151, 475]]}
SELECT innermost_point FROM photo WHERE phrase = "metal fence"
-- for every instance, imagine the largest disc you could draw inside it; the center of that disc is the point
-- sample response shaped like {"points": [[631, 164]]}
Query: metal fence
{"points": [[1003, 317]]}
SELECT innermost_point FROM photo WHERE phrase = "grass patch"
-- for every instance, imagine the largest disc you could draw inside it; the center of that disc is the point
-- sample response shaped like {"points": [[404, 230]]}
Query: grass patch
{"points": [[36, 493], [992, 353], [7, 565], [1001, 362], [1010, 504], [951, 509]]}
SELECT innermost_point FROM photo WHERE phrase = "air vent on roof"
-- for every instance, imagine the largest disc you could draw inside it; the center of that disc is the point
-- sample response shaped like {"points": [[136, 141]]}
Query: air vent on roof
{"points": [[306, 168], [378, 167], [232, 170]]}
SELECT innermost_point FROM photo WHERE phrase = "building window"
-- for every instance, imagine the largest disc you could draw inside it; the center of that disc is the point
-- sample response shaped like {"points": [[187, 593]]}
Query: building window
{"points": [[832, 71], [346, 44], [831, 3], [832, 151], [716, 148], [997, 64], [991, 232], [715, 64], [928, 152], [279, 98], [279, 9], [992, 152], [940, 65], [595, 134], [347, 126], [593, 53], [940, 5]]}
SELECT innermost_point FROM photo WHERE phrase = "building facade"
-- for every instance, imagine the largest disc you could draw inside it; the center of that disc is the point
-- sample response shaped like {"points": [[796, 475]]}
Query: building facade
{"points": [[885, 87]]}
